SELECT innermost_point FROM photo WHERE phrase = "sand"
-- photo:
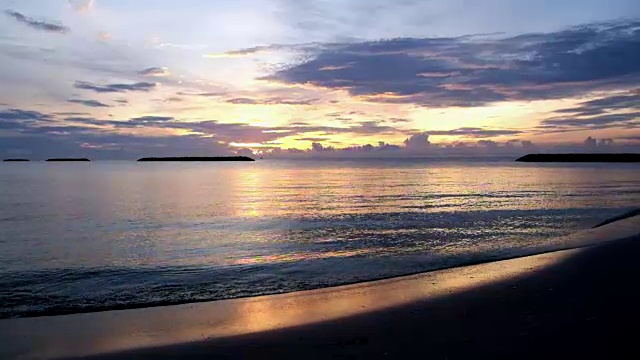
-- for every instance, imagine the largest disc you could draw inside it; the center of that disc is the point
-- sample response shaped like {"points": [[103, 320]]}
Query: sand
{"points": [[573, 303]]}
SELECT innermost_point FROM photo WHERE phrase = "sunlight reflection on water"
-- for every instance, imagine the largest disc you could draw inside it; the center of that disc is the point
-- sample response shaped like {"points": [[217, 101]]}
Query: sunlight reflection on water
{"points": [[205, 230]]}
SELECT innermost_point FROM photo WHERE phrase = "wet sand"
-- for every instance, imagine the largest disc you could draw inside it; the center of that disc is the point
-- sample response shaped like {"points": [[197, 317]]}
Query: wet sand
{"points": [[566, 304]]}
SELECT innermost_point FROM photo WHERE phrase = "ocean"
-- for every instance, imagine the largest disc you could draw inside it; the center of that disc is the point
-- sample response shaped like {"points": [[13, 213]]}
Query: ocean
{"points": [[80, 237]]}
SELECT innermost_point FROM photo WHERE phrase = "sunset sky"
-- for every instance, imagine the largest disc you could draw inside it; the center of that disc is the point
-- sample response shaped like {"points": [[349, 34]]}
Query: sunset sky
{"points": [[121, 78]]}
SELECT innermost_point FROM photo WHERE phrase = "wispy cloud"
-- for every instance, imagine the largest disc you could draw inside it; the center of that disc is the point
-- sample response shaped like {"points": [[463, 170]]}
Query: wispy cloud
{"points": [[37, 24], [114, 88], [308, 47], [90, 103], [271, 101], [615, 111], [475, 132]]}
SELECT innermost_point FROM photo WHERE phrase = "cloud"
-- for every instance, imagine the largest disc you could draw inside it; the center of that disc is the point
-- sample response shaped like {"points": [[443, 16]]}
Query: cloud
{"points": [[488, 143], [18, 114], [240, 52], [398, 120], [90, 103], [37, 24], [267, 48], [474, 132], [152, 119], [236, 132], [155, 71], [464, 71], [271, 101], [46, 135], [172, 99], [312, 139], [82, 5], [417, 142], [614, 111], [20, 120], [111, 146], [66, 113], [113, 88], [629, 120], [603, 105]]}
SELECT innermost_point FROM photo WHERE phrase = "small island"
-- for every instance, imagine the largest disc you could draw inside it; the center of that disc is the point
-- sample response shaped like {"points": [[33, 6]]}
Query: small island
{"points": [[582, 158], [198, 158], [16, 160], [68, 159]]}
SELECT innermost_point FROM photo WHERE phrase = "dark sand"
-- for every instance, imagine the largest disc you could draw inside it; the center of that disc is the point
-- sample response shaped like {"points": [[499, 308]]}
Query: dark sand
{"points": [[580, 303]]}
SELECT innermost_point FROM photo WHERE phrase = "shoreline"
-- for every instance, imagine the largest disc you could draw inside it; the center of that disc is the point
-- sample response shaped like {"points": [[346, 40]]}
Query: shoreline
{"points": [[118, 331], [580, 239]]}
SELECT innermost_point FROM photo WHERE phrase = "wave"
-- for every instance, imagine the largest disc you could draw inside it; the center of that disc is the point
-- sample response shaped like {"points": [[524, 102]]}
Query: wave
{"points": [[49, 292]]}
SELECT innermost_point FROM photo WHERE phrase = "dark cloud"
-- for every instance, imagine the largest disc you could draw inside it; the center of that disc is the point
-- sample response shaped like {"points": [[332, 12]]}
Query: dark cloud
{"points": [[115, 88], [37, 24], [23, 115], [202, 94], [155, 71], [594, 122], [629, 137], [91, 103], [474, 71], [65, 113], [152, 119], [173, 99], [629, 101], [615, 111], [417, 142], [372, 127], [488, 143], [21, 120], [243, 101], [111, 146], [398, 120], [313, 139]]}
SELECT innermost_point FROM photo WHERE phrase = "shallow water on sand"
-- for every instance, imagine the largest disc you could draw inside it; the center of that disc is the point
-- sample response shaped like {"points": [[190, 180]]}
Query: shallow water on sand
{"points": [[106, 235]]}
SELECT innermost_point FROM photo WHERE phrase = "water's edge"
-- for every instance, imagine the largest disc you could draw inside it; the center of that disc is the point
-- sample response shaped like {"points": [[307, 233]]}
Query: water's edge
{"points": [[568, 244]]}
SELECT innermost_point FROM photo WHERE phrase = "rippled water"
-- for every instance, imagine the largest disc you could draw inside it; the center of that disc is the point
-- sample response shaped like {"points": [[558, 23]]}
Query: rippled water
{"points": [[106, 235]]}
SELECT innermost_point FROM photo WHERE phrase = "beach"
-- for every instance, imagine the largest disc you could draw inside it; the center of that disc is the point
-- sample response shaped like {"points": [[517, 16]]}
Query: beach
{"points": [[578, 302], [319, 180]]}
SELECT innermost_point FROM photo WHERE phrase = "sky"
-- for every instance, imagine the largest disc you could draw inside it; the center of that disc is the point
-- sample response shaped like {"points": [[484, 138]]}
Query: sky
{"points": [[120, 79]]}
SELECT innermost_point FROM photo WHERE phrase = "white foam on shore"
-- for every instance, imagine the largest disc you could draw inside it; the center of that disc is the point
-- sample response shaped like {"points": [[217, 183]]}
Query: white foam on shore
{"points": [[105, 332]]}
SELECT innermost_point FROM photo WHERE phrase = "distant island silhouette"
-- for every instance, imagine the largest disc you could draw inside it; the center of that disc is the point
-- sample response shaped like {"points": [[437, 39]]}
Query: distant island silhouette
{"points": [[15, 160], [198, 158], [67, 159], [583, 158]]}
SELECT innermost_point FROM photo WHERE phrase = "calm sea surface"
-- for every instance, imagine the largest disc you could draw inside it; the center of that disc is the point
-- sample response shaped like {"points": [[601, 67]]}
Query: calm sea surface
{"points": [[80, 237]]}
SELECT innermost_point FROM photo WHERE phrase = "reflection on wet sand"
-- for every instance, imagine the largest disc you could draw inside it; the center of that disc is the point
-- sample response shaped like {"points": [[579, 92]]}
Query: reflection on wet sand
{"points": [[107, 332], [84, 334]]}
